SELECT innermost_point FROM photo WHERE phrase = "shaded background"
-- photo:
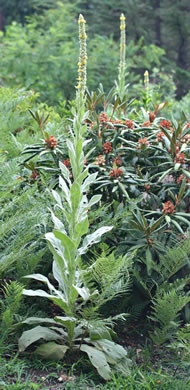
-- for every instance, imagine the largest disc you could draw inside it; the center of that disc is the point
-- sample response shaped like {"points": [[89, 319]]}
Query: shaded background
{"points": [[152, 25]]}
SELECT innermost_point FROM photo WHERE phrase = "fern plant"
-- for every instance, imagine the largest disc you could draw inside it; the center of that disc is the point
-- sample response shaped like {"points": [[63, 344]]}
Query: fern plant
{"points": [[181, 347], [165, 313], [23, 224], [166, 291], [9, 306]]}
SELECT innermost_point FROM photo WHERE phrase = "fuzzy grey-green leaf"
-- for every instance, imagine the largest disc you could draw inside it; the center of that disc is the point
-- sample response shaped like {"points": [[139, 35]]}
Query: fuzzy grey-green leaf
{"points": [[39, 332], [98, 360], [51, 351]]}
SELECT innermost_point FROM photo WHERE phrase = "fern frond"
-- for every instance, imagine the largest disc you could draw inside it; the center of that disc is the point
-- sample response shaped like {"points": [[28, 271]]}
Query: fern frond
{"points": [[174, 259], [177, 285], [111, 275], [9, 307], [166, 307]]}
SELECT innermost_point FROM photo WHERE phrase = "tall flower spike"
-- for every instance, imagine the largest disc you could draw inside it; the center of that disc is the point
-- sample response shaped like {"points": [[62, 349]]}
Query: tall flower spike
{"points": [[82, 57], [146, 81], [122, 64]]}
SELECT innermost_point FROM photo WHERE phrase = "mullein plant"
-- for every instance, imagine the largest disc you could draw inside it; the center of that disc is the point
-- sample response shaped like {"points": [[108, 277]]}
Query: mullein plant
{"points": [[81, 289], [146, 93]]}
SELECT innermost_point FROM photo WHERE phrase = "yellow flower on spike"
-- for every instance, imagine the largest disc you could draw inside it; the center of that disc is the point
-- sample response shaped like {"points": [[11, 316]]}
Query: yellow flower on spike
{"points": [[122, 17], [122, 44], [82, 55], [122, 64], [146, 80]]}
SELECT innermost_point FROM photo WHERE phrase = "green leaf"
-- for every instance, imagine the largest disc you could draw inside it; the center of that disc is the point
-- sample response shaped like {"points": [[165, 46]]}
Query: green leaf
{"points": [[166, 132], [58, 300], [58, 252], [43, 279], [84, 292], [57, 198], [113, 350], [186, 173], [99, 332], [78, 148], [65, 189], [93, 238], [76, 195], [51, 351], [177, 226], [82, 227], [38, 320], [89, 180], [61, 303], [69, 323], [168, 219], [181, 218], [39, 332], [69, 246], [37, 293], [58, 275], [95, 199], [149, 261], [98, 360], [163, 175], [57, 223], [65, 172], [82, 176], [182, 190], [66, 320], [156, 224]]}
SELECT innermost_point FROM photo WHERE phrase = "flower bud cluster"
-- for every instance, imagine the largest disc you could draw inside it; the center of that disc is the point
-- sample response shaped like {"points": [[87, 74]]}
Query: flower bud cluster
{"points": [[51, 142], [168, 208], [146, 81]]}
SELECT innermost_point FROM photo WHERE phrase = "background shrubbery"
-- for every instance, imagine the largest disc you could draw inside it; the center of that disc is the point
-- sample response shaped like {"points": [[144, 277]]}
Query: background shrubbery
{"points": [[42, 53]]}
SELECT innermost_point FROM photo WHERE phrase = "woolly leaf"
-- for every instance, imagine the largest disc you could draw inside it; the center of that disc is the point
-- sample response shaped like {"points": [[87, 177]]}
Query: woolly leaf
{"points": [[36, 320], [98, 360], [93, 238], [31, 336], [51, 351], [82, 227], [89, 180]]}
